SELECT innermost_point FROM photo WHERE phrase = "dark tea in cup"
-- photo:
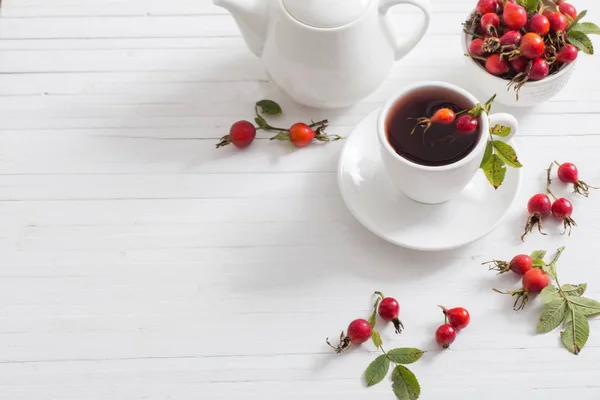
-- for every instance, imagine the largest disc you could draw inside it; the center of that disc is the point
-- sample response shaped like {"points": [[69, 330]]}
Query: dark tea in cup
{"points": [[433, 144]]}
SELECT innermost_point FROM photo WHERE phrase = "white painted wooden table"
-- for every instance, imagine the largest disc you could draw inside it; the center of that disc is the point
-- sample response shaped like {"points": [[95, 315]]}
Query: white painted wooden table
{"points": [[138, 262]]}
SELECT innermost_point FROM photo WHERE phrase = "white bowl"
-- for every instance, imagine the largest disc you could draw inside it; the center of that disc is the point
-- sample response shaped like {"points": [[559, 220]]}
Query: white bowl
{"points": [[530, 94]]}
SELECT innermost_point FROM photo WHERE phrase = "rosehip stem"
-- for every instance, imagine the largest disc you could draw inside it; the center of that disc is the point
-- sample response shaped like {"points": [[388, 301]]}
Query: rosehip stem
{"points": [[475, 57], [549, 180]]}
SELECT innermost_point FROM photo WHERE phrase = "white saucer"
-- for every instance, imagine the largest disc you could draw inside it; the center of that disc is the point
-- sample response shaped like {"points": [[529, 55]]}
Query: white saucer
{"points": [[368, 193]]}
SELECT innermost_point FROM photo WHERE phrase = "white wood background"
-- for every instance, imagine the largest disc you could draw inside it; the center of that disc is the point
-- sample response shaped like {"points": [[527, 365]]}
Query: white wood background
{"points": [[138, 262]]}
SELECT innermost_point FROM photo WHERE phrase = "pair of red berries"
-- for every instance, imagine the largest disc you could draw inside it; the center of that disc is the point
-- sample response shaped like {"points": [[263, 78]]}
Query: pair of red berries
{"points": [[539, 206], [465, 124], [360, 330], [534, 279], [455, 319], [243, 133]]}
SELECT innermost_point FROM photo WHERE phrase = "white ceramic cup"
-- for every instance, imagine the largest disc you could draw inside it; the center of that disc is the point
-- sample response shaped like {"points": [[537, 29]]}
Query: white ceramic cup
{"points": [[427, 184]]}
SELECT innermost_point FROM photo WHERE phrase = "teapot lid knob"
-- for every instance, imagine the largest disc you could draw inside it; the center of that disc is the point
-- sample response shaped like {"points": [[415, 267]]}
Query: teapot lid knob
{"points": [[326, 13]]}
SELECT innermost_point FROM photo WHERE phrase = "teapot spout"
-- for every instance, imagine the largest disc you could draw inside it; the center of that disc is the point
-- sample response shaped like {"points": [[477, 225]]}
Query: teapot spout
{"points": [[251, 17]]}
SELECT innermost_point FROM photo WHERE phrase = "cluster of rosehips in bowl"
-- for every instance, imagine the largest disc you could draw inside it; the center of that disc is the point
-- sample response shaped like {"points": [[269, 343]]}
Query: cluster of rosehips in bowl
{"points": [[242, 133], [526, 44], [540, 206], [455, 319]]}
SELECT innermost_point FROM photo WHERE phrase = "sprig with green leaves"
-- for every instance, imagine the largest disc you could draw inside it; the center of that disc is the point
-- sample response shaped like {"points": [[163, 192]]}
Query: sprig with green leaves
{"points": [[498, 154], [404, 383], [565, 304]]}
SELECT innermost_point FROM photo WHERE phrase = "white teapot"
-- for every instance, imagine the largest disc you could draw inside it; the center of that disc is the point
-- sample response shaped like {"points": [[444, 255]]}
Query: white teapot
{"points": [[325, 53]]}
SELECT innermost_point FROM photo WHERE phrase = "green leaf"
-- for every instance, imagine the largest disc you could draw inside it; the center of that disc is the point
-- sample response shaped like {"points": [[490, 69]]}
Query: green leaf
{"points": [[585, 306], [549, 294], [260, 121], [376, 338], [489, 150], [507, 153], [377, 370], [537, 254], [589, 28], [576, 20], [531, 5], [574, 290], [500, 130], [495, 171], [576, 333], [373, 317], [405, 384], [269, 107], [404, 355], [538, 263], [552, 316], [581, 41]]}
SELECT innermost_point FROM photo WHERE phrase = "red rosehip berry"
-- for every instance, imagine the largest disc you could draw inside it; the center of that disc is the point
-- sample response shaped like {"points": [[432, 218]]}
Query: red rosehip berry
{"points": [[467, 124], [568, 173], [558, 22], [241, 134], [497, 65], [301, 134], [520, 264], [539, 69], [534, 281], [511, 38], [562, 209], [567, 54], [538, 207], [490, 22], [539, 24], [445, 335], [359, 331], [568, 9], [519, 64], [476, 48], [486, 6], [389, 309], [514, 16], [532, 46], [458, 317]]}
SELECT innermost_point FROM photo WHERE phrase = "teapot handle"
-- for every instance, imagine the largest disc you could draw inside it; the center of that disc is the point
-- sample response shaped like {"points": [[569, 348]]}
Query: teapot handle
{"points": [[402, 48]]}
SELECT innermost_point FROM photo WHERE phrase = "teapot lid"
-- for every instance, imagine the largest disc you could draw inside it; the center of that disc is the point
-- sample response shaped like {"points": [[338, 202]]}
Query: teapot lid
{"points": [[326, 13]]}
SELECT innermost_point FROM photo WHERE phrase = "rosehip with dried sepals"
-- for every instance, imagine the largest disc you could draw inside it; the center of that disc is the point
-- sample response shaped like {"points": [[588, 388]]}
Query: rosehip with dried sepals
{"points": [[539, 69], [538, 207], [520, 264], [567, 54], [444, 116], [497, 65], [359, 331], [511, 38], [301, 134], [490, 23], [514, 16], [467, 124], [568, 173], [567, 9], [389, 309], [458, 317], [534, 281], [241, 134], [476, 48], [539, 24], [558, 22], [532, 46], [519, 64], [562, 209], [486, 6], [445, 335]]}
